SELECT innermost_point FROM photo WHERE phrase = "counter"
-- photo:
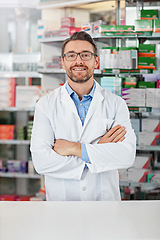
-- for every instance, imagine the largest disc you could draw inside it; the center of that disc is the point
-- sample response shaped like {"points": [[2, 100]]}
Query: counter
{"points": [[80, 220]]}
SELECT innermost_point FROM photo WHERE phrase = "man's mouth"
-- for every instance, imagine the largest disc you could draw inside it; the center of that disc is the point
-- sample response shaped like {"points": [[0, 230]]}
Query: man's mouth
{"points": [[79, 68]]}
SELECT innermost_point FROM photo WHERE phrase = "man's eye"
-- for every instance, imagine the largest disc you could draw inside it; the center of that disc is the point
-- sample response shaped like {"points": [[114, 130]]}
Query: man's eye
{"points": [[71, 55], [86, 55]]}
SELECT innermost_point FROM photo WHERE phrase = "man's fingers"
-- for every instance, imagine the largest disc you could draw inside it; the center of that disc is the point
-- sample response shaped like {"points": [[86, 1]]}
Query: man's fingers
{"points": [[112, 130], [120, 132], [119, 136]]}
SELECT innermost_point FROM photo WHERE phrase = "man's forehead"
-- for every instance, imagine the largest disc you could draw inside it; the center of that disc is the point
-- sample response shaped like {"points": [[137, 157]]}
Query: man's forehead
{"points": [[78, 44]]}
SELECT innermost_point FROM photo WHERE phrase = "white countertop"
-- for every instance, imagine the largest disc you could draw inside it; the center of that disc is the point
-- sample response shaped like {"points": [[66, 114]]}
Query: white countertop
{"points": [[80, 220]]}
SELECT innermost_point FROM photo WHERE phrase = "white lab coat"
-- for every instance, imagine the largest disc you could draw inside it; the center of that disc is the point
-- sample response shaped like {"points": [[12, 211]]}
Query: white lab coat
{"points": [[56, 117]]}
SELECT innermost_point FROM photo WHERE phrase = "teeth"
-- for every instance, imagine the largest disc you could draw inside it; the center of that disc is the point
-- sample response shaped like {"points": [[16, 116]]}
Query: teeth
{"points": [[78, 69]]}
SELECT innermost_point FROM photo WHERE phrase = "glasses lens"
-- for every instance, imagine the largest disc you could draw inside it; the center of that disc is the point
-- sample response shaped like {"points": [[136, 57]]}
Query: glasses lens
{"points": [[86, 56], [70, 56]]}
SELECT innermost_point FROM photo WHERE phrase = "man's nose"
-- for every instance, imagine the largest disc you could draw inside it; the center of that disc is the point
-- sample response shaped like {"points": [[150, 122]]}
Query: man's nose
{"points": [[79, 60]]}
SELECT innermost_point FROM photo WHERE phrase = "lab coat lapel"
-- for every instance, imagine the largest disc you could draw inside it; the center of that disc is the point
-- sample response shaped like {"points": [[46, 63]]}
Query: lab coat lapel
{"points": [[68, 102]]}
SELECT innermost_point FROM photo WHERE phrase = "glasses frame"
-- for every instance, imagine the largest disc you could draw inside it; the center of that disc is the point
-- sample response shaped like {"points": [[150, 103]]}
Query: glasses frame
{"points": [[92, 54]]}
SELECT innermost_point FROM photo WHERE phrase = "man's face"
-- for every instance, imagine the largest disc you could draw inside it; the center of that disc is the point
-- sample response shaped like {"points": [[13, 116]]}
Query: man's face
{"points": [[79, 70]]}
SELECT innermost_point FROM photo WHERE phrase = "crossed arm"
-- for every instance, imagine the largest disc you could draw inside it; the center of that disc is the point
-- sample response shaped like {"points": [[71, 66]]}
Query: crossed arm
{"points": [[67, 148]]}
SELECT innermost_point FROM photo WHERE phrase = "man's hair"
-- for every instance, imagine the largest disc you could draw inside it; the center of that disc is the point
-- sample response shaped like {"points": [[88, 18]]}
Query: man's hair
{"points": [[83, 36]]}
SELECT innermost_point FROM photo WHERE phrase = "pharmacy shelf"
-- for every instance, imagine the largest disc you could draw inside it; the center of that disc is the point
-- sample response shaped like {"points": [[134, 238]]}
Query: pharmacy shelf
{"points": [[138, 184], [19, 175], [20, 74], [56, 70], [148, 148], [15, 142], [15, 109], [53, 70], [99, 36]]}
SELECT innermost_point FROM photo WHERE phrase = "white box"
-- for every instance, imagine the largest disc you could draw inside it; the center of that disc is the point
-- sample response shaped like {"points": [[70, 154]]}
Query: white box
{"points": [[150, 97], [137, 175], [149, 138], [150, 125], [27, 96], [143, 161], [157, 98], [125, 59]]}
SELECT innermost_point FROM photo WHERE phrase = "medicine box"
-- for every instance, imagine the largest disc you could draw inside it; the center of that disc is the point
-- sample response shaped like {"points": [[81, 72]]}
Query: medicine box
{"points": [[156, 26], [67, 22], [149, 138], [146, 63], [146, 50], [87, 27], [142, 84], [149, 14], [107, 28], [143, 161], [27, 96], [125, 28], [137, 175], [7, 131], [144, 25], [150, 125]]}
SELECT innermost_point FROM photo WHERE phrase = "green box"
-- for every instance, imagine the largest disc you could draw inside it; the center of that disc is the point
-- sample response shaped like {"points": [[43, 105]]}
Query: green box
{"points": [[156, 26], [127, 48], [107, 28], [149, 14], [147, 48], [125, 28], [144, 25], [142, 84], [148, 62], [113, 49]]}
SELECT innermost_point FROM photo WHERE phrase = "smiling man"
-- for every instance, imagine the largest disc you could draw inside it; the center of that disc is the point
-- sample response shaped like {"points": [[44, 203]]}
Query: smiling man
{"points": [[82, 133]]}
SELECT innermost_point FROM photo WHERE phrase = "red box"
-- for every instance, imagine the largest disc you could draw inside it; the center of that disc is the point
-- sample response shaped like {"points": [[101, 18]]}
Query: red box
{"points": [[67, 22], [7, 131], [158, 83], [7, 197], [67, 31], [23, 198]]}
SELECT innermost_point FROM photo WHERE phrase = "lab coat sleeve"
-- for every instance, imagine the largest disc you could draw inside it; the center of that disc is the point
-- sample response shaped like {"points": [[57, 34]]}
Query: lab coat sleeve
{"points": [[46, 161], [111, 156]]}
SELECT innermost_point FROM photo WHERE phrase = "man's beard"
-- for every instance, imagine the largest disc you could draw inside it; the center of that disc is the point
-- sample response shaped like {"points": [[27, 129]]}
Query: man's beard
{"points": [[76, 80]]}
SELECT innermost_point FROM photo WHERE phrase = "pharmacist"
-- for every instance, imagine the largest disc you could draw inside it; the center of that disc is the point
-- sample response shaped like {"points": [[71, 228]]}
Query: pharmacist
{"points": [[82, 133]]}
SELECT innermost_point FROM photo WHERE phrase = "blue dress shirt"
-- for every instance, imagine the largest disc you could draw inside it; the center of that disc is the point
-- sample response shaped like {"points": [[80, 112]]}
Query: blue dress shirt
{"points": [[82, 109]]}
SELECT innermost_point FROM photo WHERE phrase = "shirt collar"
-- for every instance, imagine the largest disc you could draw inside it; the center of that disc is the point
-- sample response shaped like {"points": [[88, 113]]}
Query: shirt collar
{"points": [[71, 91]]}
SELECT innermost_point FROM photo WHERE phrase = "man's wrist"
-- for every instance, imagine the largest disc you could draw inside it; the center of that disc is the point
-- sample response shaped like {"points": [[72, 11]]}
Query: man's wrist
{"points": [[76, 148]]}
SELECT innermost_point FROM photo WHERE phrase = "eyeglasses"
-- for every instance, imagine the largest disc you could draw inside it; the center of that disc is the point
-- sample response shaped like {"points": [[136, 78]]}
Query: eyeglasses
{"points": [[85, 56]]}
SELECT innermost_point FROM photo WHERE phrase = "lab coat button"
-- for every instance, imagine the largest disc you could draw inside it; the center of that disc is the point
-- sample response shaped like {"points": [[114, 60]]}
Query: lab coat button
{"points": [[84, 188]]}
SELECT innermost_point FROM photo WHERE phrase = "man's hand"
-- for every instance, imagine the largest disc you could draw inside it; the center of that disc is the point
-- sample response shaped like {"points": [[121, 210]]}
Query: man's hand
{"points": [[66, 148], [114, 135]]}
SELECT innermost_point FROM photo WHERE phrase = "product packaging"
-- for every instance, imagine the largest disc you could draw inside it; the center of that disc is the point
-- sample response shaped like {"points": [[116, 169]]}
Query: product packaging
{"points": [[149, 138], [143, 161], [7, 92], [156, 26], [142, 84], [144, 25], [130, 96], [149, 14], [150, 125], [67, 22], [147, 63], [146, 50], [27, 96]]}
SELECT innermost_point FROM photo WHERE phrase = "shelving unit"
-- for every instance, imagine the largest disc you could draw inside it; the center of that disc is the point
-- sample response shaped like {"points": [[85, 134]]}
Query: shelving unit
{"points": [[55, 42]]}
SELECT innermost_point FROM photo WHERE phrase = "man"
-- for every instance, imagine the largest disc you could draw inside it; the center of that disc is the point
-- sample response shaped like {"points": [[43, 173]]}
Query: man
{"points": [[82, 133]]}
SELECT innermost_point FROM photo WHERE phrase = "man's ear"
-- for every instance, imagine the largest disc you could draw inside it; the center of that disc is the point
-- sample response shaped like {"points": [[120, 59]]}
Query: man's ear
{"points": [[97, 61], [63, 65]]}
